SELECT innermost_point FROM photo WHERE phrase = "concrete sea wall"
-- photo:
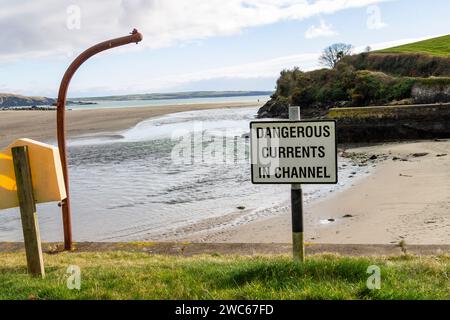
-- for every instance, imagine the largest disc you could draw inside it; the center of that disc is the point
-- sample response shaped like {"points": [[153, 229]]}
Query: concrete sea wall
{"points": [[391, 123]]}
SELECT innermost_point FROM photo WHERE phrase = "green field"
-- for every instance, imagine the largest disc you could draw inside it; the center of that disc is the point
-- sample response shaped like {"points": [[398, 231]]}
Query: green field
{"points": [[437, 46], [125, 275]]}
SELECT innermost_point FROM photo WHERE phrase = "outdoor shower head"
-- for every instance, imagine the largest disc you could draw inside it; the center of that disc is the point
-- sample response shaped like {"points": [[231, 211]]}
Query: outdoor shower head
{"points": [[135, 37]]}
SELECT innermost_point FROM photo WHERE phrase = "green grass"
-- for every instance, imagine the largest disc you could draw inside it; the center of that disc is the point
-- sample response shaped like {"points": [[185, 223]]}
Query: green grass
{"points": [[124, 275], [437, 46]]}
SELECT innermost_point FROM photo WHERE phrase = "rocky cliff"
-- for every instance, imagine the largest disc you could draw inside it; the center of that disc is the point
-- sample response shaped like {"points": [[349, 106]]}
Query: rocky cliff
{"points": [[12, 100], [426, 93]]}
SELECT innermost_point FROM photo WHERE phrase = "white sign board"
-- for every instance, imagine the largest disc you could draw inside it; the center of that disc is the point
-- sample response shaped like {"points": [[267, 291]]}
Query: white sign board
{"points": [[294, 152]]}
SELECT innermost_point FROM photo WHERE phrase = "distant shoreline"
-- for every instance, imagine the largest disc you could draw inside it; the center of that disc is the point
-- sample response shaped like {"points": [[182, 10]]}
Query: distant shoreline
{"points": [[15, 101], [178, 95]]}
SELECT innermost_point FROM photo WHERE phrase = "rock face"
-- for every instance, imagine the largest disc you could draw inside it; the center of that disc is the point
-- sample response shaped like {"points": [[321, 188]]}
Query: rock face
{"points": [[13, 100], [422, 93], [273, 109], [276, 109]]}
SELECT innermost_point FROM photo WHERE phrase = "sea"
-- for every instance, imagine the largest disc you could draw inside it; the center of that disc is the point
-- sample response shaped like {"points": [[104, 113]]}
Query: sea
{"points": [[102, 104], [167, 178]]}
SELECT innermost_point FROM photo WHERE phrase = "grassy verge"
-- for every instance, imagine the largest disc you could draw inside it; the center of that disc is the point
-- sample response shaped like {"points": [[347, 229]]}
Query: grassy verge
{"points": [[124, 275], [437, 46]]}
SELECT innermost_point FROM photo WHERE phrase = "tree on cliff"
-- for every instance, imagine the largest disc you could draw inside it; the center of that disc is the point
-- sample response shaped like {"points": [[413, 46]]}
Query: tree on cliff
{"points": [[333, 54]]}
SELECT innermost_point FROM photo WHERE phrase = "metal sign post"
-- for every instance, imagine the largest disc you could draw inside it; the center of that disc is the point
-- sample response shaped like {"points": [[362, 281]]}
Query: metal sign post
{"points": [[294, 152], [298, 247]]}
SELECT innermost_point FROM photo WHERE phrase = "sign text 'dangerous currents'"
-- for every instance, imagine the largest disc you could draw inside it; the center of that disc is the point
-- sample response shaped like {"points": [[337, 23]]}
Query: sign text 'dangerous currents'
{"points": [[294, 152]]}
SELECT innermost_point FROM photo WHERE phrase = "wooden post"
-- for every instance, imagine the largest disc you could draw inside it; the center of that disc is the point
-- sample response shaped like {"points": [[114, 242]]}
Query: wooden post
{"points": [[30, 224], [298, 246]]}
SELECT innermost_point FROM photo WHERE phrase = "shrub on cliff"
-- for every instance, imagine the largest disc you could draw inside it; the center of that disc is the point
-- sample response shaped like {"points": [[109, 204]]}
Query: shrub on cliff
{"points": [[318, 90], [406, 65], [317, 87], [342, 86], [378, 88]]}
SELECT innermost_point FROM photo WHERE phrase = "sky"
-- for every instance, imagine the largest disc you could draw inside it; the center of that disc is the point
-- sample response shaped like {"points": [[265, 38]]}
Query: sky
{"points": [[194, 45]]}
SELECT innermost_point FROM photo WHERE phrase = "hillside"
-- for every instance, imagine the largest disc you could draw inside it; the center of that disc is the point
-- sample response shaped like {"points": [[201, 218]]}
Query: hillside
{"points": [[8, 100], [437, 47], [420, 59], [367, 79]]}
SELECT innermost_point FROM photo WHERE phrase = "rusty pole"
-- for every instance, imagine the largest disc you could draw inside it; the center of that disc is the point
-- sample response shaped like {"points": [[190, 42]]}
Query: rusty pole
{"points": [[135, 37]]}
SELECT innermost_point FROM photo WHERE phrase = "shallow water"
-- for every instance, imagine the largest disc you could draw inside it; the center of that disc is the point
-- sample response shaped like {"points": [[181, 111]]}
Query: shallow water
{"points": [[101, 104], [132, 185]]}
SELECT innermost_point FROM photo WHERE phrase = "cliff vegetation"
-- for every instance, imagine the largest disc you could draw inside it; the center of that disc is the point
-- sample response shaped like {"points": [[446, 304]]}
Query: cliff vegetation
{"points": [[388, 77]]}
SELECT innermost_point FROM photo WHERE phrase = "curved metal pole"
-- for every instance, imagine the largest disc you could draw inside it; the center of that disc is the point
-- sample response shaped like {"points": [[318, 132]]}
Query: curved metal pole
{"points": [[135, 37]]}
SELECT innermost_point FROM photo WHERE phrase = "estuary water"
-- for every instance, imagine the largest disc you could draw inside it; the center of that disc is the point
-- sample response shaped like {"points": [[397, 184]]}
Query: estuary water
{"points": [[104, 104], [164, 179]]}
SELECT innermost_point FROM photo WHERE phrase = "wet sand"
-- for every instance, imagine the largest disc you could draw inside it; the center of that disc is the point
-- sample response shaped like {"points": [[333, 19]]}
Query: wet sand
{"points": [[41, 125], [406, 198]]}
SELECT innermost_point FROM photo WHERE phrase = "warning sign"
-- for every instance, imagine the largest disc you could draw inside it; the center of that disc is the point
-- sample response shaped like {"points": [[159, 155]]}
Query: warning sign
{"points": [[294, 152]]}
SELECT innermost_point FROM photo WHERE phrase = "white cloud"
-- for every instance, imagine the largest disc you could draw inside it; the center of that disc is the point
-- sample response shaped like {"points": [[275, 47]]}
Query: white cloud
{"points": [[260, 69], [41, 28], [323, 30], [264, 69]]}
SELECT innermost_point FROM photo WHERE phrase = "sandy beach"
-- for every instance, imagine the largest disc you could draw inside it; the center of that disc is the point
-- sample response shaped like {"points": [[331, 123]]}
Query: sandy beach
{"points": [[41, 125], [407, 197]]}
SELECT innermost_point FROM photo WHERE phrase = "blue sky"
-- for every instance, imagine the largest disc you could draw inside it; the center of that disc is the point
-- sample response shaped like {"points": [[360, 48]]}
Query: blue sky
{"points": [[197, 45]]}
